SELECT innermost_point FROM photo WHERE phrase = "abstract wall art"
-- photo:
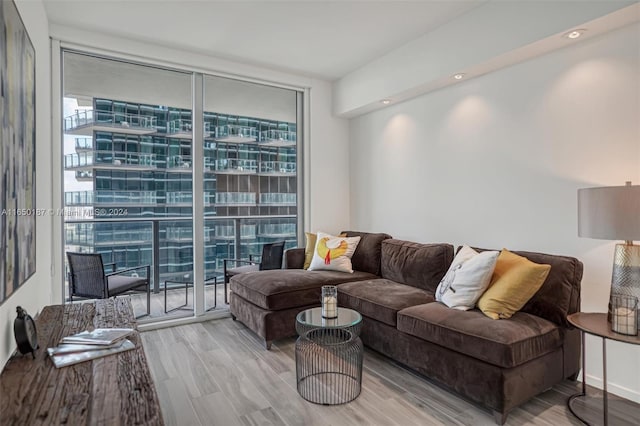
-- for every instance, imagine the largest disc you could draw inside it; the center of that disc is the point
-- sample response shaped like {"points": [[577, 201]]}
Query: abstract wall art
{"points": [[17, 152]]}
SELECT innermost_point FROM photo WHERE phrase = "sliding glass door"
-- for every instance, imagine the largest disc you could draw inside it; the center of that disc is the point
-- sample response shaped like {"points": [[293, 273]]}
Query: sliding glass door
{"points": [[177, 170]]}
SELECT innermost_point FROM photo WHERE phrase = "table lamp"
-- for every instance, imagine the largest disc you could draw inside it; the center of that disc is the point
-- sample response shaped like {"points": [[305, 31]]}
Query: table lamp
{"points": [[613, 213]]}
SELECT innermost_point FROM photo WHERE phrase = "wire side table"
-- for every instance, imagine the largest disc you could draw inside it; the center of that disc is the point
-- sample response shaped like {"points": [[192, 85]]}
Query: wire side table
{"points": [[329, 356]]}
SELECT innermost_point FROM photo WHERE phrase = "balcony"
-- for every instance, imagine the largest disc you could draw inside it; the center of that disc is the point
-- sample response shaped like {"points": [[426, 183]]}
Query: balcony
{"points": [[84, 144], [278, 138], [106, 160], [234, 133], [235, 166], [178, 198], [236, 198], [277, 230], [278, 199], [166, 244], [85, 122], [228, 232], [280, 168], [105, 197], [183, 129], [84, 175]]}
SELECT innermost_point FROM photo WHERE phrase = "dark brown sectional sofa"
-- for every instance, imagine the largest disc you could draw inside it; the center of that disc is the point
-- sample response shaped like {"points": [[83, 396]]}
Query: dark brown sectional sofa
{"points": [[496, 363]]}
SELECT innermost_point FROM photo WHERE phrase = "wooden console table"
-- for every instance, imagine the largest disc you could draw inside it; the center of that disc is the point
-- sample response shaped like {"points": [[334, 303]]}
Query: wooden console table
{"points": [[113, 390]]}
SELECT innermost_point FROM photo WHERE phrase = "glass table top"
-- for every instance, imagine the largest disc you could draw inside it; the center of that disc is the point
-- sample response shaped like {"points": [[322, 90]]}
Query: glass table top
{"points": [[313, 317]]}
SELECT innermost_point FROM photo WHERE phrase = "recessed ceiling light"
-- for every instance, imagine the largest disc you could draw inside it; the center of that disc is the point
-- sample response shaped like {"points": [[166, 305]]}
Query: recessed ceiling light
{"points": [[459, 76], [385, 101], [573, 34]]}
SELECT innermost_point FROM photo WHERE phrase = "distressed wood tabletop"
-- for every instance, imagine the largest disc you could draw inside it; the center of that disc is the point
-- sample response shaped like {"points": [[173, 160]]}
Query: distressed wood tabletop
{"points": [[113, 390]]}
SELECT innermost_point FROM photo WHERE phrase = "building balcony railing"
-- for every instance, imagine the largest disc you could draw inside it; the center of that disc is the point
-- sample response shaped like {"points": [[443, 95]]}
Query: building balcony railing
{"points": [[278, 137], [273, 230], [95, 198], [184, 234], [236, 134], [84, 175], [109, 160], [228, 232], [179, 162], [278, 198], [186, 197], [84, 144], [84, 122], [235, 166], [236, 198], [184, 129], [155, 242], [278, 167]]}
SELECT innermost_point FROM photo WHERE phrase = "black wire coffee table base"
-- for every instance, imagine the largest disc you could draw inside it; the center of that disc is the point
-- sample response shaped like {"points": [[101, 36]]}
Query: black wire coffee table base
{"points": [[329, 366]]}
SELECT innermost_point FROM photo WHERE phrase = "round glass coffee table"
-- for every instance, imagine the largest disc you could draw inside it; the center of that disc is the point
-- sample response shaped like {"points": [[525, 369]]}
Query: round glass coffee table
{"points": [[347, 319], [329, 356]]}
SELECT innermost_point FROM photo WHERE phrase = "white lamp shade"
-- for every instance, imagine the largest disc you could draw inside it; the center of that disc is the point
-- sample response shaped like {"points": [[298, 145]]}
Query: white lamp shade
{"points": [[609, 213]]}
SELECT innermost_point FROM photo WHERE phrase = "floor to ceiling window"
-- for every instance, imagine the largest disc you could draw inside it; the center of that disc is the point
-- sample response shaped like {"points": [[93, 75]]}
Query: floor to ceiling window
{"points": [[131, 173]]}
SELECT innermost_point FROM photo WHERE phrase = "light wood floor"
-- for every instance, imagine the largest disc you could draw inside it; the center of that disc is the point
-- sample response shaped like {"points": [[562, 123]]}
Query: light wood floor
{"points": [[218, 373]]}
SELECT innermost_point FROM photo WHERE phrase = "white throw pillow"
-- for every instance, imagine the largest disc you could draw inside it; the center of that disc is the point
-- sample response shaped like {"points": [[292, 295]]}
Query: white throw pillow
{"points": [[467, 278], [333, 253]]}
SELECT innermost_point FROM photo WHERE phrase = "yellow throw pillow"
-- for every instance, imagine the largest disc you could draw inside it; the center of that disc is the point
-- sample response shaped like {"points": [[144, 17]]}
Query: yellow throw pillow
{"points": [[311, 246], [515, 280]]}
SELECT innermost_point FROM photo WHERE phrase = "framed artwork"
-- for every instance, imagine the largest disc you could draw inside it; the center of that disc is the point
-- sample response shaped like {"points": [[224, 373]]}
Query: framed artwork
{"points": [[17, 152]]}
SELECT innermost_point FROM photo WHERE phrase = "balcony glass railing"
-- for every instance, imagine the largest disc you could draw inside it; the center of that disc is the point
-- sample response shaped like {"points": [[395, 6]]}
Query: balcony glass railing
{"points": [[84, 175], [94, 198], [113, 239], [278, 137], [236, 198], [95, 158], [228, 232], [277, 229], [236, 133], [234, 165], [122, 121], [186, 197], [278, 167], [185, 127], [279, 198], [84, 143], [179, 234], [179, 162]]}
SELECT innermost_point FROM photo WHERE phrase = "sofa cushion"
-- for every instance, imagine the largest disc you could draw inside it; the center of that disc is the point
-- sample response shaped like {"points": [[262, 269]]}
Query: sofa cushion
{"points": [[288, 288], [559, 295], [380, 299], [367, 255], [414, 264], [333, 253], [505, 343]]}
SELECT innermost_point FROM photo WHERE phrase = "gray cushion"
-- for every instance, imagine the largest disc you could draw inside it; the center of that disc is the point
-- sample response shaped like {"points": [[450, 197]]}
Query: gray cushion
{"points": [[118, 284], [367, 256], [415, 264], [242, 269], [288, 288], [380, 299], [505, 343]]}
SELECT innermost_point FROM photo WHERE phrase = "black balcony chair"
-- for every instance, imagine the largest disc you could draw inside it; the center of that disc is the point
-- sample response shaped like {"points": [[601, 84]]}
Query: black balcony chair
{"points": [[88, 279], [271, 258]]}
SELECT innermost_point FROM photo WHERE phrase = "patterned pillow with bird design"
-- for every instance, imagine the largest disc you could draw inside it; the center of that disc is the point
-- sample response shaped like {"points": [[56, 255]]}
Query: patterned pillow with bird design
{"points": [[333, 253]]}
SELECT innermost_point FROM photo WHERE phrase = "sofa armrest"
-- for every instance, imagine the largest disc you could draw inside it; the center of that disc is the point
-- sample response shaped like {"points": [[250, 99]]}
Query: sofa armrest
{"points": [[294, 258]]}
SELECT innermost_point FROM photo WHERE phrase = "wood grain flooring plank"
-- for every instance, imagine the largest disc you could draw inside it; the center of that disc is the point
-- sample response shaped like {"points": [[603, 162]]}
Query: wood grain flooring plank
{"points": [[257, 386], [177, 409]]}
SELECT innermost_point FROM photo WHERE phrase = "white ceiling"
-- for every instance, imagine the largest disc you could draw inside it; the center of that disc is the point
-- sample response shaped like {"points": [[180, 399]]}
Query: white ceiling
{"points": [[327, 39]]}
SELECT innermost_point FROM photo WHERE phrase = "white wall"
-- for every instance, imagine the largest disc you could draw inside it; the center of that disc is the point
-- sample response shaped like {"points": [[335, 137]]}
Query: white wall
{"points": [[496, 161], [37, 291]]}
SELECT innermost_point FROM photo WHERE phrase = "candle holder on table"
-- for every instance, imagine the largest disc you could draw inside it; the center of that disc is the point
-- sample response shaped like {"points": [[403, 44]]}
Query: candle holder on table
{"points": [[329, 301], [624, 314]]}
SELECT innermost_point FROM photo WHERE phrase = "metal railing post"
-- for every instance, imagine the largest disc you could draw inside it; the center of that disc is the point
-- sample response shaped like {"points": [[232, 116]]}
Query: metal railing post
{"points": [[155, 225]]}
